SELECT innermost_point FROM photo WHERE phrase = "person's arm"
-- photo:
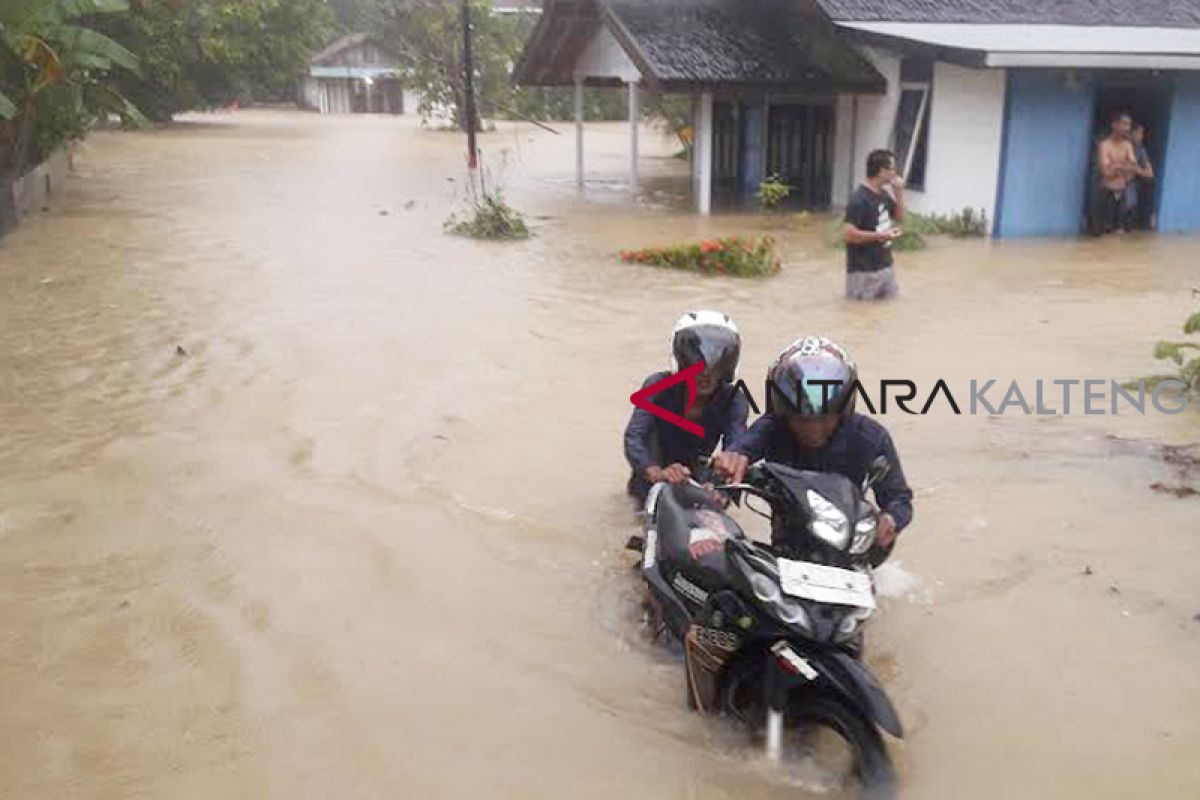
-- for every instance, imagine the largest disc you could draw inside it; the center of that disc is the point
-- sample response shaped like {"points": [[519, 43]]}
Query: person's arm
{"points": [[892, 493], [752, 445], [733, 422], [898, 200], [638, 435], [1144, 168]]}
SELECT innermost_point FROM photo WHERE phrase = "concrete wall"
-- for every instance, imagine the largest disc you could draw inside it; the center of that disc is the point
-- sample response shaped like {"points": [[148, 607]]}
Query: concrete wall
{"points": [[36, 191], [42, 184], [965, 130], [876, 114], [605, 58]]}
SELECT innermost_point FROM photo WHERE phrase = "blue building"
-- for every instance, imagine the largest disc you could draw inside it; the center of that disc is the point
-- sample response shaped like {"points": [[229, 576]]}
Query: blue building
{"points": [[993, 106]]}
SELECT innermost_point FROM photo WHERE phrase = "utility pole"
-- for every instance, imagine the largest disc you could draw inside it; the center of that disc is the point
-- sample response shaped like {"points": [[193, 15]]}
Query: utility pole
{"points": [[469, 86]]}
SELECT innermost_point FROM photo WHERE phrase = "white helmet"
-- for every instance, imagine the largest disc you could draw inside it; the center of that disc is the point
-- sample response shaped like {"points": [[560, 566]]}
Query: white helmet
{"points": [[709, 337]]}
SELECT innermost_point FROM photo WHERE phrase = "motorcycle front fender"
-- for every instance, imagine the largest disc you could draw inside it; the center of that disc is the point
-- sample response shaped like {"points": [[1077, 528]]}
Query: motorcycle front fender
{"points": [[856, 683]]}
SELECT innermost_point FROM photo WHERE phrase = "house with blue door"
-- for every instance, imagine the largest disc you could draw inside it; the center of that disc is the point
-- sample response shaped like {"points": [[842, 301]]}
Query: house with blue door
{"points": [[992, 106]]}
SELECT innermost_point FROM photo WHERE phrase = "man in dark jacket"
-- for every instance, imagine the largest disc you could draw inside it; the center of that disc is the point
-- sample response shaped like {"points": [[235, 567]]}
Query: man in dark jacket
{"points": [[811, 425], [659, 450]]}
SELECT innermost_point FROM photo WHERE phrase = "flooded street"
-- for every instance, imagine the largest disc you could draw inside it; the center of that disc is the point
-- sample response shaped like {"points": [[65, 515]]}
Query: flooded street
{"points": [[302, 498]]}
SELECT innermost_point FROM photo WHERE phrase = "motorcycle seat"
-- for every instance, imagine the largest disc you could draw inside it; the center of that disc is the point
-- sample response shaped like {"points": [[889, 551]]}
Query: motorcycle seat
{"points": [[692, 529]]}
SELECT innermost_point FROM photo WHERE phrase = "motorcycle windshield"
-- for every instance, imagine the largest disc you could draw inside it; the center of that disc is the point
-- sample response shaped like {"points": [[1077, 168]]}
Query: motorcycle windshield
{"points": [[837, 489]]}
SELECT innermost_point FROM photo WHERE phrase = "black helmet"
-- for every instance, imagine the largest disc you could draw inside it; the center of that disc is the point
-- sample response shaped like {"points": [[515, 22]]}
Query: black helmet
{"points": [[814, 376], [709, 337]]}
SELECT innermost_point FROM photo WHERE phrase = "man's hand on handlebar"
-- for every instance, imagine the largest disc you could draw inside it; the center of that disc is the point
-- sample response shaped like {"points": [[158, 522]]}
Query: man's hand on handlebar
{"points": [[731, 466], [675, 473]]}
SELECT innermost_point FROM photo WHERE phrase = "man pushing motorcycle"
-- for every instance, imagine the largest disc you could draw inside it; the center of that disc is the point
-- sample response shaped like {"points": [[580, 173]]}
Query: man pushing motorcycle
{"points": [[811, 424]]}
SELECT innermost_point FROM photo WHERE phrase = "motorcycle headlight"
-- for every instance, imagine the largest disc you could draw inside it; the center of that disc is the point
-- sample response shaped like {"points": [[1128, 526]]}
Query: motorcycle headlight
{"points": [[765, 589], [792, 612], [829, 523], [864, 536], [789, 611], [849, 625]]}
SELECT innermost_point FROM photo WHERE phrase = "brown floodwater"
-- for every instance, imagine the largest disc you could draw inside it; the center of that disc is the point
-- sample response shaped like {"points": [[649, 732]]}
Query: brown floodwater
{"points": [[362, 536]]}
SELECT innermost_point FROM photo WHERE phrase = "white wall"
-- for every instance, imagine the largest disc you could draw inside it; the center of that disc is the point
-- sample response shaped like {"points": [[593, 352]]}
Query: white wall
{"points": [[965, 125], [605, 58], [876, 114]]}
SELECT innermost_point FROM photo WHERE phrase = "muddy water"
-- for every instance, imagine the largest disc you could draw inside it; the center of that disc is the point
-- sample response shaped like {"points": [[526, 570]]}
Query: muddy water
{"points": [[361, 536]]}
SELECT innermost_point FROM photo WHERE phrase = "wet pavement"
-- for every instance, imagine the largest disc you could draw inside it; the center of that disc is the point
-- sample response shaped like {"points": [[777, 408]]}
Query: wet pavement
{"points": [[303, 498]]}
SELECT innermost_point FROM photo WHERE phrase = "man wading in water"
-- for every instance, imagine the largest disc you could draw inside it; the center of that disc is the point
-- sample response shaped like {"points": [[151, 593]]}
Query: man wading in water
{"points": [[872, 224]]}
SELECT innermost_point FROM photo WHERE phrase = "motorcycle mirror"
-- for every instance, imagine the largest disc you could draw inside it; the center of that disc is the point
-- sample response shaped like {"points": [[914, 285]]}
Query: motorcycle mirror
{"points": [[880, 467]]}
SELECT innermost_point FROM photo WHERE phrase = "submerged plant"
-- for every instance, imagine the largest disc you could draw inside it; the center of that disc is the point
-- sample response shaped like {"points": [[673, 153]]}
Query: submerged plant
{"points": [[487, 216], [772, 193], [1188, 369], [733, 255]]}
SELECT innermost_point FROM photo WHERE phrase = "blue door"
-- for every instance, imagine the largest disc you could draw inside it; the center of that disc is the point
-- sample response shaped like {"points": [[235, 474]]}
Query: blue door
{"points": [[1046, 155], [1179, 204]]}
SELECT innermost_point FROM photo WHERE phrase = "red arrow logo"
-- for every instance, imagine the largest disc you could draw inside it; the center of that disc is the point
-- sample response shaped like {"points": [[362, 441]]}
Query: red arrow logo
{"points": [[641, 398]]}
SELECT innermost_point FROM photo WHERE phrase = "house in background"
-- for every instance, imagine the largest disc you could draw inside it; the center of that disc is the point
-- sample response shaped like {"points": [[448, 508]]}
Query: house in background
{"points": [[357, 74], [993, 106]]}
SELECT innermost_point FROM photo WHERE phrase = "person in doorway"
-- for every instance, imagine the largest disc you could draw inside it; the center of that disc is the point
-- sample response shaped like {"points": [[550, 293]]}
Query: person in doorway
{"points": [[1118, 166], [1139, 192], [811, 424], [873, 218], [658, 450]]}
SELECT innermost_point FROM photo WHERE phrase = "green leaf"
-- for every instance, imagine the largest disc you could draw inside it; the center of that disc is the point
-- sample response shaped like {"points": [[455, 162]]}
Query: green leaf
{"points": [[1169, 351], [1193, 324], [8, 109], [1191, 372], [73, 9], [92, 45]]}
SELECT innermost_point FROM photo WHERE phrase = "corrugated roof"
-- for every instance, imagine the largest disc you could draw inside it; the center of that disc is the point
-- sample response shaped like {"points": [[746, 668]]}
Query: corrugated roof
{"points": [[737, 41], [348, 42], [1121, 13], [687, 44]]}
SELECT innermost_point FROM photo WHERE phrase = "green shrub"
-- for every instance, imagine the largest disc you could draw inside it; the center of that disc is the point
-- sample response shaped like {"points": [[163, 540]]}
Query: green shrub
{"points": [[772, 193], [489, 217], [742, 257], [1188, 369]]}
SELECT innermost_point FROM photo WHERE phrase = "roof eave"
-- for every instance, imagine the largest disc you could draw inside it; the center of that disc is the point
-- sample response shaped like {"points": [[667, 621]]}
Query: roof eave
{"points": [[963, 57]]}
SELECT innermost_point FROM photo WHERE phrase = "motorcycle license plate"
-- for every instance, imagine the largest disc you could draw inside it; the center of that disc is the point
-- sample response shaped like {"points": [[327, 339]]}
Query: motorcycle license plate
{"points": [[825, 584]]}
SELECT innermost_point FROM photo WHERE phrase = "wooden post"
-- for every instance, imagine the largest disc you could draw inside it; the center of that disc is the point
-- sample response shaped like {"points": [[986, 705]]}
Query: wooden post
{"points": [[469, 86], [635, 116], [704, 151], [579, 132]]}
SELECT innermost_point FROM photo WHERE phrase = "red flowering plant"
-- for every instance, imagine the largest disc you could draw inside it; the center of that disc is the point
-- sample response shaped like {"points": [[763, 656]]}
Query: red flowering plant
{"points": [[732, 255]]}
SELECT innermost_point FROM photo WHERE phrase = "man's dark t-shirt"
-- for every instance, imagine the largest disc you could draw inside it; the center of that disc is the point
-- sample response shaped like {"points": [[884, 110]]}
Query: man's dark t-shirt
{"points": [[869, 211]]}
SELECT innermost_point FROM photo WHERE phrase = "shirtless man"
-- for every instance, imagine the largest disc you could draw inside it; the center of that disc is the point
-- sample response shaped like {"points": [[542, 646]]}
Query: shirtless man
{"points": [[1118, 166]]}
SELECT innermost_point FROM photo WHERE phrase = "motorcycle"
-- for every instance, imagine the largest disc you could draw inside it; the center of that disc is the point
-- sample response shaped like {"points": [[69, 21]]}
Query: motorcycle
{"points": [[772, 635]]}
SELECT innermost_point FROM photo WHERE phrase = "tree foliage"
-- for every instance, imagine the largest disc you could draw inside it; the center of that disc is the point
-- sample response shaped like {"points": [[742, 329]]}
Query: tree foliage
{"points": [[429, 35], [206, 53], [53, 70]]}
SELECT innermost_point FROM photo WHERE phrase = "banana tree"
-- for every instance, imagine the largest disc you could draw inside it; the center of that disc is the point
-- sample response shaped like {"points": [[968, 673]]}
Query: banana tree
{"points": [[48, 56]]}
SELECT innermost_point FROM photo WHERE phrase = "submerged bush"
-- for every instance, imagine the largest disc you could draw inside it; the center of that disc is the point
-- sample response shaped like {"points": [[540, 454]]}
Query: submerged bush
{"points": [[743, 257], [1188, 369], [489, 217], [967, 222], [772, 193]]}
